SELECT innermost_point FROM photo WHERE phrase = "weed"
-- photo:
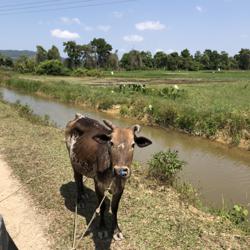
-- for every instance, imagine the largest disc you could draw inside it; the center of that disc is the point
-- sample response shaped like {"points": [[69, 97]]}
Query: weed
{"points": [[26, 112], [165, 165], [238, 215]]}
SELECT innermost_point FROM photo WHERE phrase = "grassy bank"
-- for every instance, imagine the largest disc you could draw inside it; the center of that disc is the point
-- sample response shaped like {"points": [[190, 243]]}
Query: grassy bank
{"points": [[217, 111], [152, 216]]}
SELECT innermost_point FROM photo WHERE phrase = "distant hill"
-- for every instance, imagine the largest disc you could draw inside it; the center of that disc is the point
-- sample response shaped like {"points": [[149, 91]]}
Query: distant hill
{"points": [[14, 54]]}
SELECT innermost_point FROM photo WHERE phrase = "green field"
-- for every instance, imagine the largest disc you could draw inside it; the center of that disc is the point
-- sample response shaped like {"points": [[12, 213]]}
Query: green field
{"points": [[152, 215], [217, 108], [150, 77]]}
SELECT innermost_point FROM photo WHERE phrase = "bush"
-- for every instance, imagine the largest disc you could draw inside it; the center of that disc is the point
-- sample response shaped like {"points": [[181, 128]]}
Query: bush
{"points": [[165, 165], [26, 112], [52, 67], [25, 65], [238, 215], [81, 72], [171, 92]]}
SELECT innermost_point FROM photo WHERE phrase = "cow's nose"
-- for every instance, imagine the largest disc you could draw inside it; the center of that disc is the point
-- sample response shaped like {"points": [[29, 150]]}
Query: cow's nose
{"points": [[124, 171]]}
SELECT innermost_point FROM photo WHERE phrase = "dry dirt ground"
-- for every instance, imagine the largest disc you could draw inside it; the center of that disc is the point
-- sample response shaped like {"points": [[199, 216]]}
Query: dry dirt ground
{"points": [[22, 220]]}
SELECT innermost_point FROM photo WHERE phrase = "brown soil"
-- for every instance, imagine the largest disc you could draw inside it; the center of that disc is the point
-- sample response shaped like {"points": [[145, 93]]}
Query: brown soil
{"points": [[24, 224]]}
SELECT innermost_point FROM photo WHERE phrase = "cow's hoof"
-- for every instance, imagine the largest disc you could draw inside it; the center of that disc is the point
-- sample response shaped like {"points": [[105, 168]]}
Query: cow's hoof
{"points": [[103, 234], [118, 236]]}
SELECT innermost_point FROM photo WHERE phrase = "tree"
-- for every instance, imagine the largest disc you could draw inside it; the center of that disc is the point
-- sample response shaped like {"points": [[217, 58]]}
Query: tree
{"points": [[102, 50], [6, 61], [205, 59], [54, 54], [41, 54], [186, 60], [197, 60], [173, 61], [132, 60], [147, 59], [224, 60], [185, 53], [74, 52], [9, 62], [243, 59], [160, 60], [89, 56], [113, 61]]}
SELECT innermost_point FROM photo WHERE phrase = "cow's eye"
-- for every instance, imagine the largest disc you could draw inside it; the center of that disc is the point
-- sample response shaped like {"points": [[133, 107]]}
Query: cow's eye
{"points": [[133, 145], [111, 144]]}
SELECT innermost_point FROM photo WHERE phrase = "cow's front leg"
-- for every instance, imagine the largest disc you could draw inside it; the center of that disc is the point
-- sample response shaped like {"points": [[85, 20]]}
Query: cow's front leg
{"points": [[102, 231], [80, 189], [114, 208]]}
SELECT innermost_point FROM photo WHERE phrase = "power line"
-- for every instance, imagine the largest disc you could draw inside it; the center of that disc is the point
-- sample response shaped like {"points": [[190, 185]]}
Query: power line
{"points": [[3, 13], [29, 5], [10, 12]]}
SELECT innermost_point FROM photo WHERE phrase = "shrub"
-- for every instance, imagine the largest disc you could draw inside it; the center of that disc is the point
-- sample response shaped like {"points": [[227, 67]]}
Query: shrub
{"points": [[52, 67], [124, 111], [26, 112], [171, 92], [25, 65], [165, 165], [107, 104], [238, 215], [81, 72]]}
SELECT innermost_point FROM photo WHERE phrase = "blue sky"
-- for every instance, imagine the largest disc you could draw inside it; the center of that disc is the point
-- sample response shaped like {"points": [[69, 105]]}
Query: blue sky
{"points": [[141, 24]]}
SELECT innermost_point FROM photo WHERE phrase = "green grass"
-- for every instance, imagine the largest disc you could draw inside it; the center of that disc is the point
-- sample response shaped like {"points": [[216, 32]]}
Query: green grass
{"points": [[219, 111], [162, 74], [152, 216]]}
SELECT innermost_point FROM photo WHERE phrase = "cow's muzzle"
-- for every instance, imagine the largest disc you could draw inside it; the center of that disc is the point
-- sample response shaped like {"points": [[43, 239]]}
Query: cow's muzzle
{"points": [[123, 171]]}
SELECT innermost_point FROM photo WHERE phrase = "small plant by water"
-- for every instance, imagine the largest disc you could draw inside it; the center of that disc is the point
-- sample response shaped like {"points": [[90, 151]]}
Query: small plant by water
{"points": [[165, 165], [26, 112], [238, 214]]}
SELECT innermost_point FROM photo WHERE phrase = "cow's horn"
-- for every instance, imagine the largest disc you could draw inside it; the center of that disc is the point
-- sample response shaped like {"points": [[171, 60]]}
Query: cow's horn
{"points": [[109, 124], [78, 115], [137, 128]]}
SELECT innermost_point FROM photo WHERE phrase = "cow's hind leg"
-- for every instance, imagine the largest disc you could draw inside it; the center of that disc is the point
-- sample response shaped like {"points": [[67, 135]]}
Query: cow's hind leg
{"points": [[80, 189], [117, 235], [102, 231]]}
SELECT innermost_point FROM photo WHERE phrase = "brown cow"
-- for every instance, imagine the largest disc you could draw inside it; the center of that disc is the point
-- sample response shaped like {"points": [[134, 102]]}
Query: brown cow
{"points": [[103, 153]]}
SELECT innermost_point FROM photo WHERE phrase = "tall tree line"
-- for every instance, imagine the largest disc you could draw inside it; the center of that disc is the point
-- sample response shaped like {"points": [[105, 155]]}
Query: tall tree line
{"points": [[97, 54]]}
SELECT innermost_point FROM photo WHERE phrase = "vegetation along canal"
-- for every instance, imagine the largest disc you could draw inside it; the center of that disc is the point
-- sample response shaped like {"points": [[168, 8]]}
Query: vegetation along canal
{"points": [[219, 173]]}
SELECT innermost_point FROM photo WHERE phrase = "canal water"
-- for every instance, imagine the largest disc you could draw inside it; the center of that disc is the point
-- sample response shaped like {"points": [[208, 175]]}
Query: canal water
{"points": [[219, 173]]}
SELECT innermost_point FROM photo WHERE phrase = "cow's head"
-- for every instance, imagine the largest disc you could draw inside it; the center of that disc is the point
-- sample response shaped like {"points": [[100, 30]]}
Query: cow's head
{"points": [[121, 143]]}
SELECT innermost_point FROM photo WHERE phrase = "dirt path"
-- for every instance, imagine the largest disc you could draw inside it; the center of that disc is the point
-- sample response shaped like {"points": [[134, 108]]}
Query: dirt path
{"points": [[23, 222]]}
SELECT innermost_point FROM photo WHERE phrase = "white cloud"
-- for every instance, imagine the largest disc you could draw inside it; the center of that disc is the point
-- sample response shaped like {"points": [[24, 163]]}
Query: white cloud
{"points": [[199, 8], [64, 34], [150, 25], [118, 14], [133, 38], [104, 28], [68, 20]]}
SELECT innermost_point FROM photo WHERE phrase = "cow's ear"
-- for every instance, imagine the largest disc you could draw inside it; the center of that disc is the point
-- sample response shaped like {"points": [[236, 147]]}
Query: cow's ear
{"points": [[102, 138], [142, 141]]}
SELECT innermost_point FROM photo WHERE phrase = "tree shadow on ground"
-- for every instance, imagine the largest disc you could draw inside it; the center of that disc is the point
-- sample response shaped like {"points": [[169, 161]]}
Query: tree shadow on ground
{"points": [[68, 192]]}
